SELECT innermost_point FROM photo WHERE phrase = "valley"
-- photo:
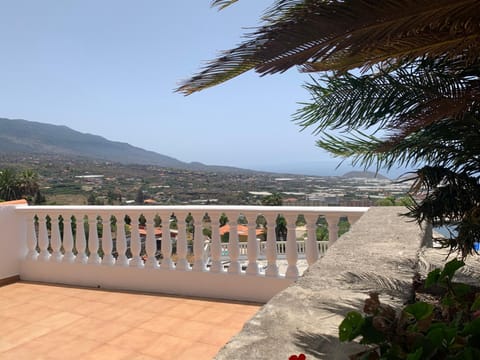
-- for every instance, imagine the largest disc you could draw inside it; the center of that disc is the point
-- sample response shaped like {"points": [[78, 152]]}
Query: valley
{"points": [[69, 180]]}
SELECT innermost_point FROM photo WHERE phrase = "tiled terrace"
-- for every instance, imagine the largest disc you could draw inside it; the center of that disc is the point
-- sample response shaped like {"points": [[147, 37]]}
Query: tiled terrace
{"points": [[39, 321], [81, 246]]}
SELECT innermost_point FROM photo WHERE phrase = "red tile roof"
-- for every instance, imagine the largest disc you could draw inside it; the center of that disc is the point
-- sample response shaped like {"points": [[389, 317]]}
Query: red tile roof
{"points": [[241, 230], [14, 202]]}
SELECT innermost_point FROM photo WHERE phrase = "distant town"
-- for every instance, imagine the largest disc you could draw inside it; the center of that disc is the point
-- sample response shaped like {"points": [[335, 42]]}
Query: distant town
{"points": [[76, 181]]}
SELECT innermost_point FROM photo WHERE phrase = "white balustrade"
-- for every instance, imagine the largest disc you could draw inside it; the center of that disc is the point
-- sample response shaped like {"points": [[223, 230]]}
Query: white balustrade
{"points": [[68, 256], [233, 246], [216, 248], [182, 247], [332, 222], [151, 244], [311, 248], [135, 244], [166, 250], [80, 239], [123, 249], [55, 239], [93, 241], [252, 246], [107, 242], [31, 238], [43, 240], [121, 241], [271, 250], [323, 246], [198, 243], [291, 248]]}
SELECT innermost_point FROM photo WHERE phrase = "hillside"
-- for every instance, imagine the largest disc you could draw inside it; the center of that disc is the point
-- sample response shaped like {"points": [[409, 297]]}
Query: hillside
{"points": [[364, 175], [29, 137]]}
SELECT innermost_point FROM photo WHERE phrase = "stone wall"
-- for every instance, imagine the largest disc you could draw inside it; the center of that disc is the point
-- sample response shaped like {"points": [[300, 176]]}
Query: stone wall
{"points": [[379, 253]]}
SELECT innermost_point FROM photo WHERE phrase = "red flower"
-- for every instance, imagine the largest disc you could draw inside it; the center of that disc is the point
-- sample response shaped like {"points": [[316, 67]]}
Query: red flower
{"points": [[299, 357]]}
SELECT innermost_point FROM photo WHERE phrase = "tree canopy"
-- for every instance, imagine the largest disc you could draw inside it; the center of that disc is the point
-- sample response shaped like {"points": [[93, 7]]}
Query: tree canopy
{"points": [[15, 186], [393, 82]]}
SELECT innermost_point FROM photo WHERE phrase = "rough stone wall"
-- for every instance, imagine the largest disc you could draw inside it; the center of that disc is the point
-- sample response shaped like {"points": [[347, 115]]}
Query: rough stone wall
{"points": [[379, 253]]}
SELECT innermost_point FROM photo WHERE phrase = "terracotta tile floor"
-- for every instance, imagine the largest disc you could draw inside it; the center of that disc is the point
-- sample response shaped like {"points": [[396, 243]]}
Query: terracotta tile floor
{"points": [[39, 321]]}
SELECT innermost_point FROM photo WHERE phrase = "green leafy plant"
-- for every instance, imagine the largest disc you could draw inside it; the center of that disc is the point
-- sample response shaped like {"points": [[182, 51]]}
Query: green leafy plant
{"points": [[443, 325]]}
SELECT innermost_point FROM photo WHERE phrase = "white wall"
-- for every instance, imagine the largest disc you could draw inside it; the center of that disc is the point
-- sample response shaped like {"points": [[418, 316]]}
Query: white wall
{"points": [[12, 242], [187, 283]]}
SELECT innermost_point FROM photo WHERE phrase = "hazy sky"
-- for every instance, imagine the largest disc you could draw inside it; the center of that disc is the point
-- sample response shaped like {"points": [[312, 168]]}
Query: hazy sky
{"points": [[109, 67]]}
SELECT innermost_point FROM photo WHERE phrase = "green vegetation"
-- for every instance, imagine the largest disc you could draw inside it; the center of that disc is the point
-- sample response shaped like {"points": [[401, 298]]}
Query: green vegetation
{"points": [[62, 181], [446, 329], [274, 199], [392, 201], [23, 185]]}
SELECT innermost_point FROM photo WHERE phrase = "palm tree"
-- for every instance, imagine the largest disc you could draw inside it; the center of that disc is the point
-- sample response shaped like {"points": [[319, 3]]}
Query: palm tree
{"points": [[28, 182], [319, 35], [9, 186], [429, 114], [274, 199], [400, 83], [15, 186]]}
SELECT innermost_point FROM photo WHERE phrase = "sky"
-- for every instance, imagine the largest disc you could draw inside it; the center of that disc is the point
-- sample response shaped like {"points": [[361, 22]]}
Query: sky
{"points": [[110, 67]]}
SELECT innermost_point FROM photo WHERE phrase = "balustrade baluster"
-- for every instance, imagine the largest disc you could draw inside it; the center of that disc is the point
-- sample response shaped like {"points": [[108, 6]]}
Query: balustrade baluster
{"points": [[271, 251], [216, 246], [233, 250], [107, 241], [31, 238], [43, 240], [151, 244], [166, 243], [135, 245], [323, 245], [182, 263], [242, 250], [332, 221], [311, 247], [262, 248], [69, 256], [252, 246], [280, 248], [93, 240], [291, 248], [198, 244], [121, 241], [80, 239], [55, 239], [298, 247]]}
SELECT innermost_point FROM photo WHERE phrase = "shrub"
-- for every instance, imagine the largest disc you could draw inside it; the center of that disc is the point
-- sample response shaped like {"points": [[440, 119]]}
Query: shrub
{"points": [[445, 326]]}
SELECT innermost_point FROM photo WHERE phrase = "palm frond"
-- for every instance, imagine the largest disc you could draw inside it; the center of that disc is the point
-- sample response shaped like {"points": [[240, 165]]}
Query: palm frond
{"points": [[341, 35], [426, 108], [222, 4], [226, 67], [449, 198], [368, 281], [451, 143]]}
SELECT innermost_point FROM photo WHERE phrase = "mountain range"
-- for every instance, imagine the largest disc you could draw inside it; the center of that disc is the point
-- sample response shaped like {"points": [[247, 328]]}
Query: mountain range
{"points": [[30, 137], [19, 136]]}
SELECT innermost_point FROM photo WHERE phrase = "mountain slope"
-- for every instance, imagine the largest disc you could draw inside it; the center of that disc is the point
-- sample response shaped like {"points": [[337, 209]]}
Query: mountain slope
{"points": [[364, 175], [22, 136]]}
